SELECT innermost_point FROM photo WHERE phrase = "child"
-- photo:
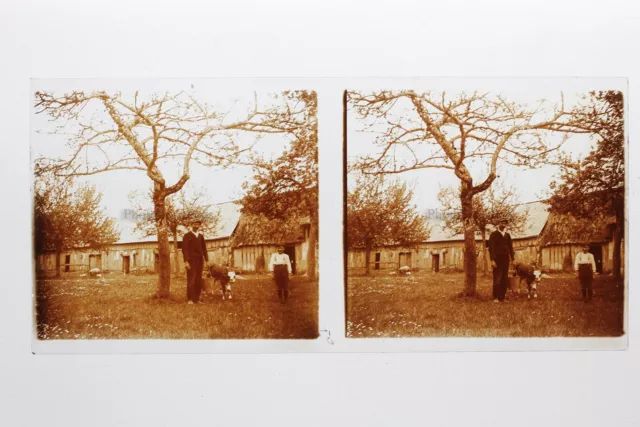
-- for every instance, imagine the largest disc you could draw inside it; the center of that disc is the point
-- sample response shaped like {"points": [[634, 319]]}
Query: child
{"points": [[280, 265], [585, 266]]}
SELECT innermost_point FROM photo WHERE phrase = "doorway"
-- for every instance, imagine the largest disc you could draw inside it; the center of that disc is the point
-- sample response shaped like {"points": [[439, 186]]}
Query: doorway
{"points": [[67, 261], [95, 261], [126, 264], [291, 251], [596, 251], [405, 259], [435, 262], [156, 262], [377, 264]]}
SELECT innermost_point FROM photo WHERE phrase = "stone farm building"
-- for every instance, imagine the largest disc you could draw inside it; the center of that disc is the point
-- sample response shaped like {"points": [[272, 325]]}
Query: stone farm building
{"points": [[548, 240], [135, 253]]}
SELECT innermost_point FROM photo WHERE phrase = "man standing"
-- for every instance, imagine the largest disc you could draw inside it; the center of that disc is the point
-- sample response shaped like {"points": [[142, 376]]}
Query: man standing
{"points": [[280, 265], [501, 253], [194, 251], [585, 266]]}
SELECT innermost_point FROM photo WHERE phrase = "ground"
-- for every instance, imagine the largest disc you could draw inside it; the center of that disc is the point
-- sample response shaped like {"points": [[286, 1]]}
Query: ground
{"points": [[123, 307], [427, 304]]}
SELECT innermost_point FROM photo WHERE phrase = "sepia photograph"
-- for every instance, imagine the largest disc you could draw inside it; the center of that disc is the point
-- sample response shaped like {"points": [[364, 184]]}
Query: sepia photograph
{"points": [[495, 210], [166, 209], [257, 213]]}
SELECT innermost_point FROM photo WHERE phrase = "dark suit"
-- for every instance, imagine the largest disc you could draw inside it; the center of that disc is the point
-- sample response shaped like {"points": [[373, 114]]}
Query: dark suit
{"points": [[194, 251], [501, 252]]}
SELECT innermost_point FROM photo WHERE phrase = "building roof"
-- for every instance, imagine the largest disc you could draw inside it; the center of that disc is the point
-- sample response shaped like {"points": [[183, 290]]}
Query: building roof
{"points": [[260, 230], [537, 215], [229, 218], [566, 229]]}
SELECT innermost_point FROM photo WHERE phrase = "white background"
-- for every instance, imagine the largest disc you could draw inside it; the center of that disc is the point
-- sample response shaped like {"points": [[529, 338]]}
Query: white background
{"points": [[303, 39]]}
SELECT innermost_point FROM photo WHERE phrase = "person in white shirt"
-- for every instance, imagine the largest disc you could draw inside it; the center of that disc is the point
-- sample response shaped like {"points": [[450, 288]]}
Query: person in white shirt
{"points": [[280, 265], [585, 266]]}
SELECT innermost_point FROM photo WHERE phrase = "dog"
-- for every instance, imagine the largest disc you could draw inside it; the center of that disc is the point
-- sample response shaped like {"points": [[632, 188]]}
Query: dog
{"points": [[529, 274], [225, 277]]}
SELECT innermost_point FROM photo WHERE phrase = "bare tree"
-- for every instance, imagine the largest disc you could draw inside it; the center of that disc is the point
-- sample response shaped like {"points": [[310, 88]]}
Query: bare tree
{"points": [[183, 207], [108, 131], [490, 207], [434, 130]]}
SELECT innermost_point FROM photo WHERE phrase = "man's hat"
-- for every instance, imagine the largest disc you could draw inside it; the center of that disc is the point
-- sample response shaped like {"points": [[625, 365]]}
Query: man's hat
{"points": [[196, 221], [503, 221]]}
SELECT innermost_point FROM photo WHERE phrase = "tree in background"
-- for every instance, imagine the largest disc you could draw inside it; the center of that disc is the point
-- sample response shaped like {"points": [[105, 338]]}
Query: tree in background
{"points": [[594, 187], [438, 131], [381, 213], [286, 188], [68, 217], [112, 131], [489, 208], [182, 208], [260, 229]]}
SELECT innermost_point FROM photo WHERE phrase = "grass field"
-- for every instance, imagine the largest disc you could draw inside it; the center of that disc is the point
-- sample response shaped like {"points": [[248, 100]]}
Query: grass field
{"points": [[427, 304], [123, 307]]}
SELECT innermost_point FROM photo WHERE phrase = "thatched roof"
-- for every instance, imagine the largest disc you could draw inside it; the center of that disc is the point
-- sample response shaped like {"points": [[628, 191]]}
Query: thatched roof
{"points": [[244, 229], [259, 230], [566, 229]]}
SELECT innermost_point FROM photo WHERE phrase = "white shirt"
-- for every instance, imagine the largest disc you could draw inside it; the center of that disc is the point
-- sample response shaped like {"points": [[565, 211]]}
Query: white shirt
{"points": [[584, 258], [280, 259], [197, 234]]}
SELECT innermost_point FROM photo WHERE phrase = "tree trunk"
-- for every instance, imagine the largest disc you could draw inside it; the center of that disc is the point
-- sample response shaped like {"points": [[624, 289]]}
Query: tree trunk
{"points": [[176, 260], [367, 256], [470, 257], [311, 250], [164, 249], [485, 261], [617, 241], [58, 256]]}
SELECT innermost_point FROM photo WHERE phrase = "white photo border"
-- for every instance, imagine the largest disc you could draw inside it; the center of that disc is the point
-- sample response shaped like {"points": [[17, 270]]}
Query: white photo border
{"points": [[331, 320]]}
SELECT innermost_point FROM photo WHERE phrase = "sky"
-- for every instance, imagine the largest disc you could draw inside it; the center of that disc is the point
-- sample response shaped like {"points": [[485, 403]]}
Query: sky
{"points": [[236, 96], [531, 184], [220, 184]]}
